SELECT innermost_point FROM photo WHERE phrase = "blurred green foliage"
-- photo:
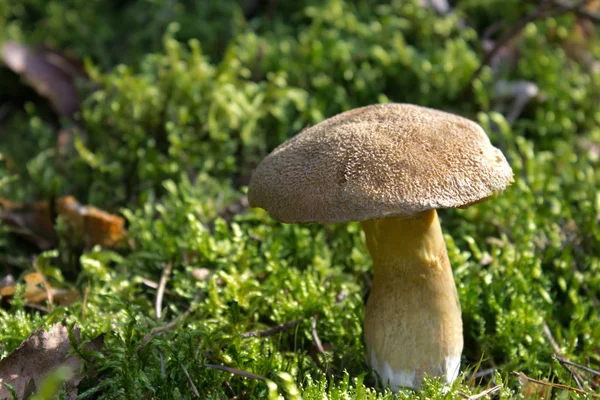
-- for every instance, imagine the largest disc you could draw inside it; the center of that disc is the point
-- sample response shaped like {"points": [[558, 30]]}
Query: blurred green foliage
{"points": [[186, 97]]}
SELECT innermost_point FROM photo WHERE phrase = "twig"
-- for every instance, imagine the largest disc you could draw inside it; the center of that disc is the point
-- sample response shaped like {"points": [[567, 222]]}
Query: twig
{"points": [[229, 389], [543, 11], [582, 12], [161, 288], [315, 335], [578, 378], [196, 394], [272, 331], [548, 334], [168, 327], [522, 377], [579, 366], [235, 371], [486, 392], [484, 372], [557, 354], [157, 330], [37, 307]]}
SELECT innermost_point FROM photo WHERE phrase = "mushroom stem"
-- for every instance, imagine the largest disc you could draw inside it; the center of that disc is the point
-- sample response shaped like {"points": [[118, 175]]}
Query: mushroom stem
{"points": [[413, 325]]}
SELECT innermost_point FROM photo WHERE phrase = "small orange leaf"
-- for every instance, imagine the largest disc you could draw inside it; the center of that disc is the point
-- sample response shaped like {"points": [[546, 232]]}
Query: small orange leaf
{"points": [[89, 223]]}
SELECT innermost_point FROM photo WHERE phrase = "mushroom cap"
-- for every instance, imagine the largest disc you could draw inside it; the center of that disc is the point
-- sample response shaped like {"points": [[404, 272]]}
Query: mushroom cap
{"points": [[379, 161]]}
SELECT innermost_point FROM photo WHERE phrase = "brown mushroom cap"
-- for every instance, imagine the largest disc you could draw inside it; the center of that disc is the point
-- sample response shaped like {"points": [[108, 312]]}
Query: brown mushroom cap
{"points": [[379, 161]]}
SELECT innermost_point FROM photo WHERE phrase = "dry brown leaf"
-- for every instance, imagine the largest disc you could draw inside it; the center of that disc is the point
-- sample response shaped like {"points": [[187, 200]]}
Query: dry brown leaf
{"points": [[34, 219], [88, 223], [36, 291], [51, 74], [95, 226], [7, 285], [41, 353]]}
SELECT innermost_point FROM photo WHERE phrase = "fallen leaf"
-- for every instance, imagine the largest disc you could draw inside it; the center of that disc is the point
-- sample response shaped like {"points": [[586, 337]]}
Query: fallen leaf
{"points": [[50, 73], [44, 351], [89, 224], [6, 285], [94, 225], [33, 219], [36, 291]]}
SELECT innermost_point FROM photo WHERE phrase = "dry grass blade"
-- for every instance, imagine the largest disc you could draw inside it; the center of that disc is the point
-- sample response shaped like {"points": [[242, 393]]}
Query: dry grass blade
{"points": [[558, 355], [161, 289], [272, 331], [550, 337], [315, 335], [194, 389], [235, 371], [524, 378], [319, 345], [487, 392]]}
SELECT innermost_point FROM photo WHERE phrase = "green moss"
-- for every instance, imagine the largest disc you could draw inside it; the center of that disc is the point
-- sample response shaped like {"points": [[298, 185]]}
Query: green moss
{"points": [[173, 124]]}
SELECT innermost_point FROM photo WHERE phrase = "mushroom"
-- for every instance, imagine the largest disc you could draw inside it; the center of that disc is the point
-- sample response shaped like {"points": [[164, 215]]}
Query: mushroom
{"points": [[390, 166]]}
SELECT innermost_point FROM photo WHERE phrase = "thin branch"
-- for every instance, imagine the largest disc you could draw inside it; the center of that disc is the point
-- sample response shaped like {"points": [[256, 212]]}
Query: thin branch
{"points": [[478, 396], [235, 371], [548, 334], [272, 331], [579, 366], [522, 377], [578, 378], [229, 389], [157, 330], [582, 12], [557, 354], [170, 326], [484, 372], [544, 11], [161, 289], [37, 307], [196, 394]]}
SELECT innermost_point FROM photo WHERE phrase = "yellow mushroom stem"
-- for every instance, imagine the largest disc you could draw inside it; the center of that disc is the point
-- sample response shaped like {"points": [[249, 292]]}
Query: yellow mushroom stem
{"points": [[413, 325]]}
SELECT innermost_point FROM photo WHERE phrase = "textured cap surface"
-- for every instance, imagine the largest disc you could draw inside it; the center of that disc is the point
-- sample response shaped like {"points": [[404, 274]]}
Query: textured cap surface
{"points": [[379, 161]]}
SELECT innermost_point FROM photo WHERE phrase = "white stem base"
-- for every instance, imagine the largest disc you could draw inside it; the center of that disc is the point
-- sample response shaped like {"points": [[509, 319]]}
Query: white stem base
{"points": [[396, 380]]}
